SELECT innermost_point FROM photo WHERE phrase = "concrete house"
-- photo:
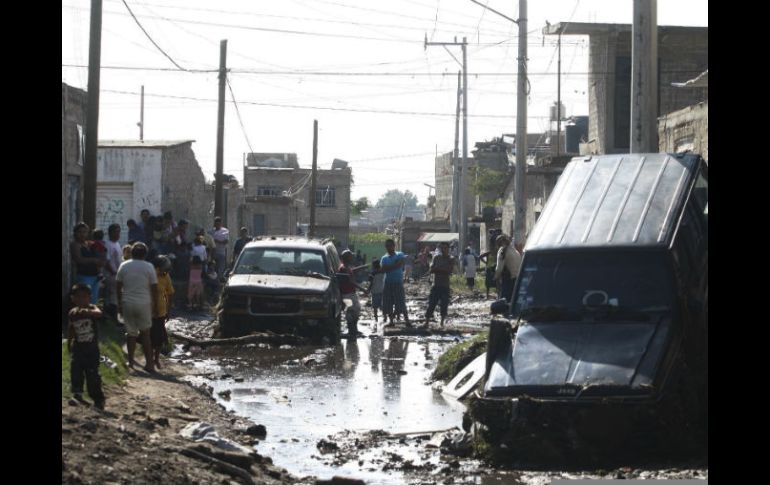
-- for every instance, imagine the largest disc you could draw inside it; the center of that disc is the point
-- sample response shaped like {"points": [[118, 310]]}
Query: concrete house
{"points": [[687, 128], [277, 197], [682, 54], [156, 175]]}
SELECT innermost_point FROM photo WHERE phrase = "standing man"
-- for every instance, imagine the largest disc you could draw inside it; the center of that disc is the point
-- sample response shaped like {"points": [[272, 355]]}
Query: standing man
{"points": [[348, 289], [393, 297], [221, 236], [145, 226], [507, 269], [441, 267], [114, 260], [239, 244], [138, 301]]}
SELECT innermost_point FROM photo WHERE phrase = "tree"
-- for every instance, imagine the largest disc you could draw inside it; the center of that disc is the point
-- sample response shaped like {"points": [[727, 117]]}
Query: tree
{"points": [[357, 206], [391, 202]]}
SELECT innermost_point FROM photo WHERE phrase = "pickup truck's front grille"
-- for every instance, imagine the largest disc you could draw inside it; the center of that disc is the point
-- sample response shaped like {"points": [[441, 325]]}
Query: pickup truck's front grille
{"points": [[267, 305]]}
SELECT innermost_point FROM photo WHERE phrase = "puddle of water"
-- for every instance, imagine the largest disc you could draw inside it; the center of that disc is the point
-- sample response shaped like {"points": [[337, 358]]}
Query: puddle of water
{"points": [[360, 385]]}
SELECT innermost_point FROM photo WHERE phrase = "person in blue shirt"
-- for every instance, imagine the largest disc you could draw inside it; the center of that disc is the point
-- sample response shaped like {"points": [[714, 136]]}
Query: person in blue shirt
{"points": [[393, 297]]}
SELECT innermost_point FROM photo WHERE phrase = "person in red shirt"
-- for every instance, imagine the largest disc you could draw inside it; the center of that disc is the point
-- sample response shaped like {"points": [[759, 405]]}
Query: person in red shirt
{"points": [[348, 289]]}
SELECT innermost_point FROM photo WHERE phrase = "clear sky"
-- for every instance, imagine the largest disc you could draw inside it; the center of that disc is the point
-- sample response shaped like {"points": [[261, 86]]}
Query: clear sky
{"points": [[382, 101]]}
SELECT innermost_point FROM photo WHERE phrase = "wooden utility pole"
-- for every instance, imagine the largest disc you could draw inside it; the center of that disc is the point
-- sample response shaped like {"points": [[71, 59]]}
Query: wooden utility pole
{"points": [[92, 115], [218, 177], [644, 77], [313, 174]]}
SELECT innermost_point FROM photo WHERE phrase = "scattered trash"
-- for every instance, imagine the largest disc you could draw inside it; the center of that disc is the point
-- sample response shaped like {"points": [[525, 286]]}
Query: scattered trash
{"points": [[201, 431]]}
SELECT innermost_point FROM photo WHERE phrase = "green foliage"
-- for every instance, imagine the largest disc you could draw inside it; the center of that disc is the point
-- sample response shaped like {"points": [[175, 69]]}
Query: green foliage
{"points": [[446, 365], [391, 201], [487, 180], [357, 206]]}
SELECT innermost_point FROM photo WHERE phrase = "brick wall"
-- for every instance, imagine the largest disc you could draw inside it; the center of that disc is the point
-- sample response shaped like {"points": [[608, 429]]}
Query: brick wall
{"points": [[74, 104], [685, 127]]}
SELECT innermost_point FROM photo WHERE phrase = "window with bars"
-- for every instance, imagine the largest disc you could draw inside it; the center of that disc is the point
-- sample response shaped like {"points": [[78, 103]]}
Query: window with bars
{"points": [[325, 197], [269, 190]]}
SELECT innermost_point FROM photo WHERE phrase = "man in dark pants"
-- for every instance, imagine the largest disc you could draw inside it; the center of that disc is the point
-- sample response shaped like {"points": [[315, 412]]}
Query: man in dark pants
{"points": [[83, 345], [442, 267]]}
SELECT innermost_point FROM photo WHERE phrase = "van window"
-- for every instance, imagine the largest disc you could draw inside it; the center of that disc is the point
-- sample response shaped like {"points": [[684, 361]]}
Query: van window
{"points": [[572, 284]]}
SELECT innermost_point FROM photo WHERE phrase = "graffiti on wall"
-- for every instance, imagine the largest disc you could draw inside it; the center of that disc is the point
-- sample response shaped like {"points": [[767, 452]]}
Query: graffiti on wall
{"points": [[110, 211]]}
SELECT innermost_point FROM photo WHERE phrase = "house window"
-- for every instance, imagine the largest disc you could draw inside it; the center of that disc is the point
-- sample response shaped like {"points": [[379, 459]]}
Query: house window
{"points": [[325, 197], [269, 190]]}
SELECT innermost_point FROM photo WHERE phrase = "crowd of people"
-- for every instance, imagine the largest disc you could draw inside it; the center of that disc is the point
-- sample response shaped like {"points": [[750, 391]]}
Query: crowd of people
{"points": [[388, 274], [137, 283]]}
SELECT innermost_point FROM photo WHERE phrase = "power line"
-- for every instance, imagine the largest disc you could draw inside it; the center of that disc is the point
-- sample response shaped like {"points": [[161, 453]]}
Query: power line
{"points": [[151, 39], [266, 29], [328, 108], [366, 74], [238, 112]]}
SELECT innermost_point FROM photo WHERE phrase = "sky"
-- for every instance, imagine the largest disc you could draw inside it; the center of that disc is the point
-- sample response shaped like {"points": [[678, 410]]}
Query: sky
{"points": [[383, 101]]}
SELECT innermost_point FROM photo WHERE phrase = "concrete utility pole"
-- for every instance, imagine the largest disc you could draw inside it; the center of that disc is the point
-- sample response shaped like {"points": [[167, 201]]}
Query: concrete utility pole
{"points": [[558, 101], [218, 177], [455, 213], [519, 197], [313, 175], [644, 77], [92, 115], [463, 223], [141, 116]]}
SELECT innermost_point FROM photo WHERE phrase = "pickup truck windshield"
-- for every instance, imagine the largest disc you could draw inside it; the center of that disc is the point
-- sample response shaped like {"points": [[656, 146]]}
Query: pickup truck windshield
{"points": [[570, 286], [281, 261]]}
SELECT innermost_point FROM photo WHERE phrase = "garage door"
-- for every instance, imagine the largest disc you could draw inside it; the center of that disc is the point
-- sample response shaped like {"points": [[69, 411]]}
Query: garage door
{"points": [[114, 205]]}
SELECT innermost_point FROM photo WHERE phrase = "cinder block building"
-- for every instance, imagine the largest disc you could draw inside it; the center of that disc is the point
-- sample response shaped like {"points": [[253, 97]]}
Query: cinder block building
{"points": [[156, 175], [277, 196], [682, 54]]}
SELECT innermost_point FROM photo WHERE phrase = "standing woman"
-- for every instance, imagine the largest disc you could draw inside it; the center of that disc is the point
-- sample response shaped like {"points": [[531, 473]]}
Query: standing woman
{"points": [[86, 259]]}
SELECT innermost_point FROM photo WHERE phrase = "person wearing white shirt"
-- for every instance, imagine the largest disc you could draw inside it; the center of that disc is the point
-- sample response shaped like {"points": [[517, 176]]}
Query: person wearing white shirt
{"points": [[221, 236], [508, 264], [114, 260]]}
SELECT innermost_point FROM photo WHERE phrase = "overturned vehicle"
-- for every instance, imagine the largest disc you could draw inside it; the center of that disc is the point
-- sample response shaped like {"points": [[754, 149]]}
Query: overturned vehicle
{"points": [[605, 352]]}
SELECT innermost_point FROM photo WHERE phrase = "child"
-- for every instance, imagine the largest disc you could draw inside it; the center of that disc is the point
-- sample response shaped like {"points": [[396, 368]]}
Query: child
{"points": [[158, 335], [376, 285], [83, 345], [195, 284]]}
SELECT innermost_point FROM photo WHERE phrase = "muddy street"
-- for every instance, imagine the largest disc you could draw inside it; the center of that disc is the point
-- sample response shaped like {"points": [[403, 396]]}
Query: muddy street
{"points": [[364, 408]]}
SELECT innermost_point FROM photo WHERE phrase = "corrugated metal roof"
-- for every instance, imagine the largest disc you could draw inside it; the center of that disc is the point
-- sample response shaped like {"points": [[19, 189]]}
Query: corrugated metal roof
{"points": [[615, 200], [141, 144], [438, 237]]}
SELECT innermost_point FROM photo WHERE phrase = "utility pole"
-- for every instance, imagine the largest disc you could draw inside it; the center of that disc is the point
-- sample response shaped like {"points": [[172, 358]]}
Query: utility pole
{"points": [[141, 116], [644, 77], [456, 161], [464, 168], [463, 223], [92, 115], [218, 177], [313, 174], [520, 200], [558, 101]]}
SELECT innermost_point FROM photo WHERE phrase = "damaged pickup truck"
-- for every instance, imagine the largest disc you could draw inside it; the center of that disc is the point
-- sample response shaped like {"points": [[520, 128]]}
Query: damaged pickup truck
{"points": [[605, 352], [287, 285]]}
